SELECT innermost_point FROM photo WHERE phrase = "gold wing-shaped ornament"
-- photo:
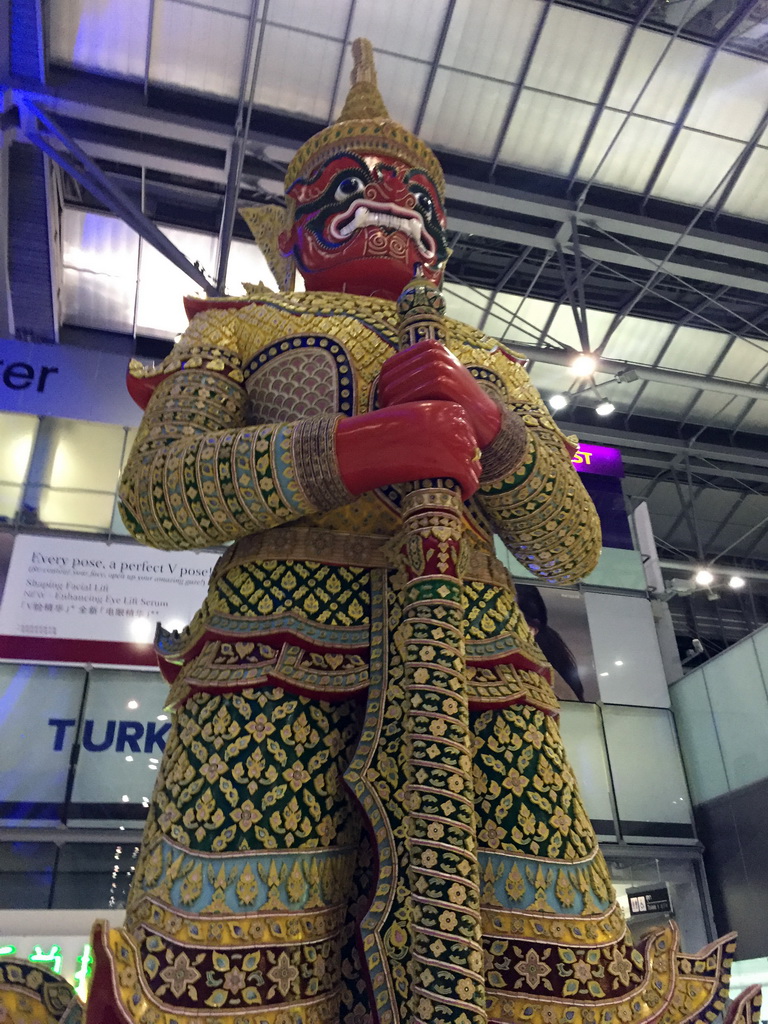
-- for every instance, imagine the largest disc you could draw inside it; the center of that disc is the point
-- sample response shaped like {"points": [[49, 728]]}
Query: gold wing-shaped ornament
{"points": [[266, 223]]}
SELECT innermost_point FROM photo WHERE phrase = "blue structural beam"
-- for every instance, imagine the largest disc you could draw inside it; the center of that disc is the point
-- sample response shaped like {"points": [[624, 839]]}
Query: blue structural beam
{"points": [[29, 285], [40, 128]]}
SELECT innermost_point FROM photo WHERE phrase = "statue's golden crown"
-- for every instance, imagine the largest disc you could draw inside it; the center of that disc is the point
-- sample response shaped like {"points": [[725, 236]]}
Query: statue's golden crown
{"points": [[364, 126]]}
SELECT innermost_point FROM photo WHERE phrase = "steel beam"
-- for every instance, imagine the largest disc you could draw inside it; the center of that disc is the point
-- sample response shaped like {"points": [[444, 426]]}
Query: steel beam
{"points": [[736, 17], [660, 270], [646, 444], [32, 214], [530, 52], [605, 92], [747, 533], [487, 225], [612, 367], [510, 270], [679, 566], [741, 163], [148, 50], [6, 302], [434, 66], [739, 500], [575, 296], [759, 539], [748, 409], [665, 348], [117, 109], [55, 142], [646, 228], [340, 65], [237, 146]]}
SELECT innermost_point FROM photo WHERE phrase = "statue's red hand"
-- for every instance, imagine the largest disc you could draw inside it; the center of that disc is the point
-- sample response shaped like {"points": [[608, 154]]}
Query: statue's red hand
{"points": [[413, 441], [429, 371]]}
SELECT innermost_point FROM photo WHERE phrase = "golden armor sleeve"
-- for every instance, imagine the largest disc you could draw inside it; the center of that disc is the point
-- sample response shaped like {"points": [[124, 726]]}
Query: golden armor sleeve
{"points": [[198, 475], [530, 490]]}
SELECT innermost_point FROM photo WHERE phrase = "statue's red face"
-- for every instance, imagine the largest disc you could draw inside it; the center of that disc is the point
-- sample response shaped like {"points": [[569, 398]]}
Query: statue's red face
{"points": [[365, 224]]}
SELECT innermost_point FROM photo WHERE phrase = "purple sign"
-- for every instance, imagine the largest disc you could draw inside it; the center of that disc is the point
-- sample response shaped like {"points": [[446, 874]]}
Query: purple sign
{"points": [[595, 458]]}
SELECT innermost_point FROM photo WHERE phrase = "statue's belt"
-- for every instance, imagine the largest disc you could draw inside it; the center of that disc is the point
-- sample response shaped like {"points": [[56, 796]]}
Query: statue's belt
{"points": [[330, 547]]}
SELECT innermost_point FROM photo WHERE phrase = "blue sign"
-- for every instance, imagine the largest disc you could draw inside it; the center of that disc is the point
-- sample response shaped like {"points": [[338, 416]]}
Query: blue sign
{"points": [[59, 380]]}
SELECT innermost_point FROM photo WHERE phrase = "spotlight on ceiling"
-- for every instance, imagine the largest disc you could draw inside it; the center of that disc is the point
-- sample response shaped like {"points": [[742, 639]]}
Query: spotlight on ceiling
{"points": [[704, 577], [627, 376], [605, 409], [583, 366], [736, 582], [557, 402]]}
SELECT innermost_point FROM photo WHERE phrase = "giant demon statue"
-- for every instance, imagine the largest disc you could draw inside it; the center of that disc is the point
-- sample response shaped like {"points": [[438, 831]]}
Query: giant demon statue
{"points": [[364, 813]]}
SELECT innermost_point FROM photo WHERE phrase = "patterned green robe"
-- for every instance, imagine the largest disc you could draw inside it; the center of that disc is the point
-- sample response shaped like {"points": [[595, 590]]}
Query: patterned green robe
{"points": [[275, 879]]}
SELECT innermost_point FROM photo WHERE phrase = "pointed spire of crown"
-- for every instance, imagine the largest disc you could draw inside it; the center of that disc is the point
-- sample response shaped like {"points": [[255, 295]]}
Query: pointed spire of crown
{"points": [[364, 99], [364, 126]]}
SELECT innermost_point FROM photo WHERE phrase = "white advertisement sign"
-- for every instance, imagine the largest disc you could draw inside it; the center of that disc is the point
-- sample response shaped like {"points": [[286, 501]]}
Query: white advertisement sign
{"points": [[63, 589]]}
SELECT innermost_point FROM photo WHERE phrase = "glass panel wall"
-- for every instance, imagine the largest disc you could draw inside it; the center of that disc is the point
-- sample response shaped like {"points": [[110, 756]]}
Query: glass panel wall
{"points": [[39, 709], [96, 740], [77, 485], [18, 431], [683, 877], [73, 876], [93, 875], [79, 749], [626, 650], [61, 474], [582, 731], [123, 736], [737, 693], [26, 875], [698, 739], [648, 778], [722, 714]]}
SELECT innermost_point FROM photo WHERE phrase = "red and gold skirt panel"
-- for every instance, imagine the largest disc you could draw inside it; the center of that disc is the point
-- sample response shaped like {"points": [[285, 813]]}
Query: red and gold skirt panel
{"points": [[276, 871]]}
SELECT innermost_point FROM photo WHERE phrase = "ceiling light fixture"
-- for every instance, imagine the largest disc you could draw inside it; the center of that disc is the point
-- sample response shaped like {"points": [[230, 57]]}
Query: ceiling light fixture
{"points": [[605, 408], [557, 402], [583, 365], [704, 577], [736, 582]]}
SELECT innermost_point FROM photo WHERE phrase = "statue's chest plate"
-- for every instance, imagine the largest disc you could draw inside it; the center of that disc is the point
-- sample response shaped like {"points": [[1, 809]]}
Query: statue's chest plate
{"points": [[313, 353], [297, 377]]}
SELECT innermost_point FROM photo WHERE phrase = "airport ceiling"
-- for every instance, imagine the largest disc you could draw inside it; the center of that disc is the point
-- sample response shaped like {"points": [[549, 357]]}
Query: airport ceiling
{"points": [[607, 171]]}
